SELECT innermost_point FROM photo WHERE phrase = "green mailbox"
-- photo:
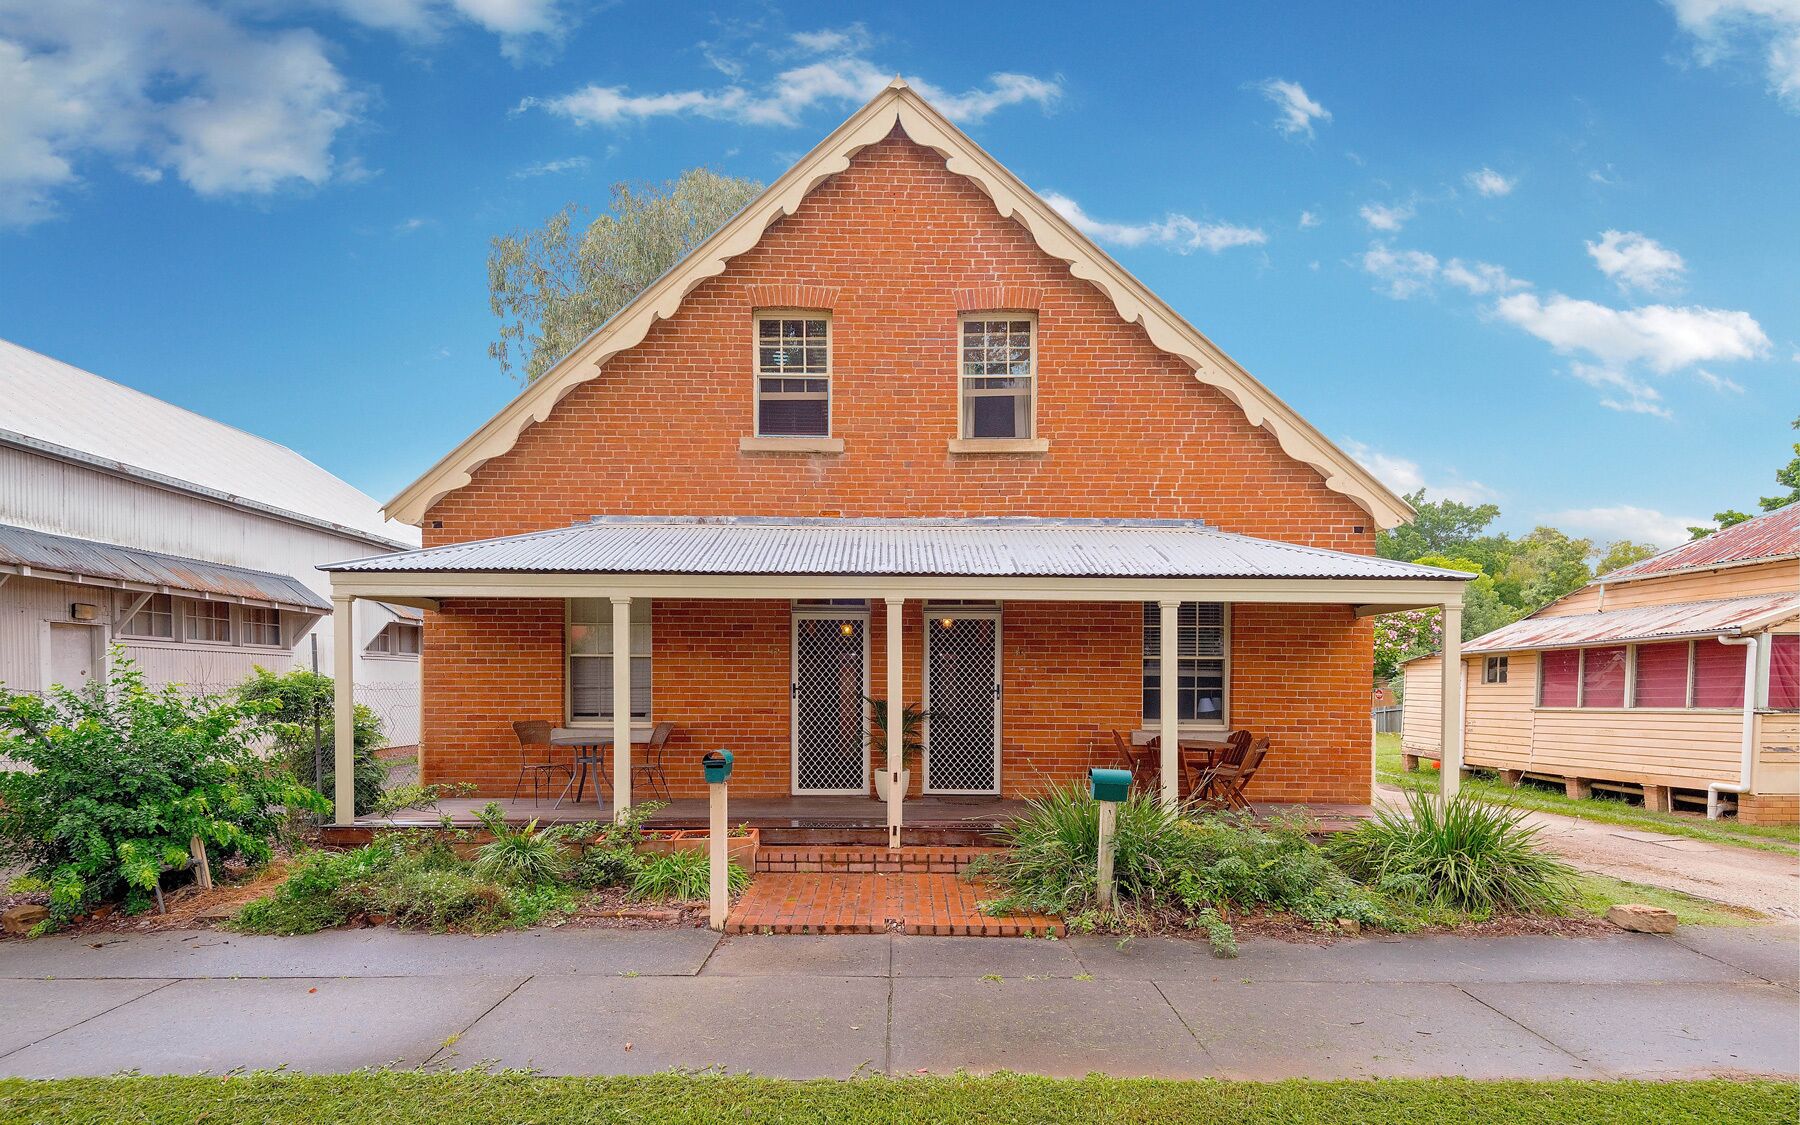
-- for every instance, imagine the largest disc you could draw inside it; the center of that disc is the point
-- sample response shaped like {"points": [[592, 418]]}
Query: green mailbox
{"points": [[717, 764], [1110, 785]]}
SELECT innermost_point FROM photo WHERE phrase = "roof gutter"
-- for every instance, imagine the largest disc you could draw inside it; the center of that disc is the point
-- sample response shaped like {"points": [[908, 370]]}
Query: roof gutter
{"points": [[1747, 748]]}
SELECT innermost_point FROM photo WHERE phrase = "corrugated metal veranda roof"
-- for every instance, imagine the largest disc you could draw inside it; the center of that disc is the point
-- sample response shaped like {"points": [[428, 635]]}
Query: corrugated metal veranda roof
{"points": [[983, 547], [1775, 535], [54, 556], [1643, 623]]}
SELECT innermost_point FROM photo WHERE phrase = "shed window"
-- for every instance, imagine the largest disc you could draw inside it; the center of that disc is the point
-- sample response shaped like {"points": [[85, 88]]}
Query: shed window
{"points": [[793, 376], [1603, 676], [208, 621], [1561, 678], [155, 619], [1201, 677], [999, 366], [1494, 671], [1662, 675], [1718, 674], [262, 625], [397, 638], [590, 664], [1784, 672]]}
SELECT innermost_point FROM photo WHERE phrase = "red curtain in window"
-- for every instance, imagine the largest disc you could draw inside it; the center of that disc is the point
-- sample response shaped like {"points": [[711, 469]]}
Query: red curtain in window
{"points": [[1561, 672], [1662, 675], [1603, 677], [1718, 674], [1784, 672]]}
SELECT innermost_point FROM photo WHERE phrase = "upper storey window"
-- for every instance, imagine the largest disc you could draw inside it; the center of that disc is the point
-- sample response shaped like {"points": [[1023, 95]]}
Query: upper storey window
{"points": [[793, 375], [999, 368]]}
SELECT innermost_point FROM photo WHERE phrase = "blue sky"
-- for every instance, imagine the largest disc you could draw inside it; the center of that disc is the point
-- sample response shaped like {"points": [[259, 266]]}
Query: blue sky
{"points": [[1539, 254]]}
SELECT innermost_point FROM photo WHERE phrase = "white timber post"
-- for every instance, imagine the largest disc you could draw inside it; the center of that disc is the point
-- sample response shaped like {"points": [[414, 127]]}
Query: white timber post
{"points": [[343, 708], [1169, 722], [621, 693], [718, 876], [896, 711], [1450, 770]]}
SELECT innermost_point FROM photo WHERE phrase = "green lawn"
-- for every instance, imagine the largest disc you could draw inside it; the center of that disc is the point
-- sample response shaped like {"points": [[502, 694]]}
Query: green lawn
{"points": [[1597, 893], [1606, 810], [488, 1098]]}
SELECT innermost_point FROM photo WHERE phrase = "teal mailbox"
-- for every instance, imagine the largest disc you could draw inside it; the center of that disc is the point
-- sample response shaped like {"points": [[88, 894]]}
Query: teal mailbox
{"points": [[1110, 785], [717, 764]]}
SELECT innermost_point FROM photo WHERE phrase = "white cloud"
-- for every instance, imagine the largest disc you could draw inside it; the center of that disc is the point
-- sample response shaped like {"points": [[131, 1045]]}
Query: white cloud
{"points": [[1298, 112], [1308, 220], [170, 87], [1634, 261], [1663, 337], [853, 39], [1175, 231], [1386, 217], [1624, 521], [846, 79], [1405, 476], [1402, 273], [1481, 278], [408, 226], [1490, 183], [1719, 383], [552, 167], [523, 26], [1774, 25], [1638, 397]]}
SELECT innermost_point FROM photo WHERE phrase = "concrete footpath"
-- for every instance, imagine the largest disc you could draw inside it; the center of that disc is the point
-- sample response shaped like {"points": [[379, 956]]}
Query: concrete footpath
{"points": [[1709, 1001]]}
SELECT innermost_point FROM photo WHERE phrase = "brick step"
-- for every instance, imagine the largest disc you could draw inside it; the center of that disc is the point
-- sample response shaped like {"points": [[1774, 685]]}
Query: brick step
{"points": [[876, 903], [947, 861]]}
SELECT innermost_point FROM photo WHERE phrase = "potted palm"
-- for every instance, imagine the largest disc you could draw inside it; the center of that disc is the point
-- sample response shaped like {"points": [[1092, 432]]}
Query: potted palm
{"points": [[912, 744]]}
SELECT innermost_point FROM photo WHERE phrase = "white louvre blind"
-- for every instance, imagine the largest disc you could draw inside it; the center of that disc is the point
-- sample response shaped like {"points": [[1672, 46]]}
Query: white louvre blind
{"points": [[588, 645]]}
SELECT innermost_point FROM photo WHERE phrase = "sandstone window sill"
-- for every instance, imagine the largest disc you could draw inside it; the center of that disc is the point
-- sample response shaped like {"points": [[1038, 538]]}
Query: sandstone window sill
{"points": [[1000, 445], [813, 445]]}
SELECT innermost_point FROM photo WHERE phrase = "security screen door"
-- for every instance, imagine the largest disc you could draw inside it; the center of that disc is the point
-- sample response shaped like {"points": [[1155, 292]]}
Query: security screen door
{"points": [[962, 700], [830, 683]]}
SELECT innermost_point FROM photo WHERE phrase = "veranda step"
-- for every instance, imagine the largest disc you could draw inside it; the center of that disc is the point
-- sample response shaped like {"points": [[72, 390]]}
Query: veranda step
{"points": [[853, 859]]}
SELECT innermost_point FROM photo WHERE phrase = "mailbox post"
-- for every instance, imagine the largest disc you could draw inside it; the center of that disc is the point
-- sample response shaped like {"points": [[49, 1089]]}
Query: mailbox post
{"points": [[717, 766], [1110, 787]]}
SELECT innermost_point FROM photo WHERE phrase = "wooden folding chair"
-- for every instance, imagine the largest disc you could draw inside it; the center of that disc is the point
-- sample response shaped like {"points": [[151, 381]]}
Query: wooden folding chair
{"points": [[1140, 760], [1199, 775], [1229, 782]]}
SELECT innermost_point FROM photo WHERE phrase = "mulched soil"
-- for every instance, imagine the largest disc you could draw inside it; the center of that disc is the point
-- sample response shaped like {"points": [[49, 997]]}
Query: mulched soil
{"points": [[1286, 927]]}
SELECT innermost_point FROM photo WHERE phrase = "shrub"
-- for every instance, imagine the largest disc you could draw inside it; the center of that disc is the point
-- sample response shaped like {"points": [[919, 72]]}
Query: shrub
{"points": [[519, 856], [684, 875], [602, 867], [438, 899], [315, 895], [1471, 855], [121, 778], [288, 704]]}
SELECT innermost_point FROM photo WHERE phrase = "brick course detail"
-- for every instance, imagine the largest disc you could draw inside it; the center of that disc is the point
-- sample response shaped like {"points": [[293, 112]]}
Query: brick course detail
{"points": [[897, 246]]}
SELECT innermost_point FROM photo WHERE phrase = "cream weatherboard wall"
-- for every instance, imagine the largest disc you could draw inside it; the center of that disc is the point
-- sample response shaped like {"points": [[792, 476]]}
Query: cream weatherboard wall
{"points": [[1779, 577]]}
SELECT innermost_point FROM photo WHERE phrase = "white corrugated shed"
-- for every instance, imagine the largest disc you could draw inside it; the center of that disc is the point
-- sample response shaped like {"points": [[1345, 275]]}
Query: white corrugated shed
{"points": [[47, 402]]}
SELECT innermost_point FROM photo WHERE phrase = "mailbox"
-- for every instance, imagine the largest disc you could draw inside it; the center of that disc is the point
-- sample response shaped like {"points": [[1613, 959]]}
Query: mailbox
{"points": [[1110, 785], [717, 764]]}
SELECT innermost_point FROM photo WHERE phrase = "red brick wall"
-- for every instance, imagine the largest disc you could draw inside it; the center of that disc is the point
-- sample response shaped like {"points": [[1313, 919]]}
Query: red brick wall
{"points": [[898, 246]]}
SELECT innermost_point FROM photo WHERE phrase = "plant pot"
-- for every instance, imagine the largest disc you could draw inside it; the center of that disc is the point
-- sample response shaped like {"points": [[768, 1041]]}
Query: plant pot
{"points": [[881, 784], [740, 850]]}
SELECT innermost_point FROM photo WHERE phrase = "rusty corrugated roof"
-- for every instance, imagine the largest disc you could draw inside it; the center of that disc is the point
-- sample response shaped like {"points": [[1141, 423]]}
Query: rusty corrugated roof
{"points": [[981, 547], [57, 556], [1730, 616], [1775, 535]]}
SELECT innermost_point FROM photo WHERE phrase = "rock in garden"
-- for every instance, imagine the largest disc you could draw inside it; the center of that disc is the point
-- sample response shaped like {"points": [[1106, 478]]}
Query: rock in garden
{"points": [[21, 918], [1641, 919], [1350, 926]]}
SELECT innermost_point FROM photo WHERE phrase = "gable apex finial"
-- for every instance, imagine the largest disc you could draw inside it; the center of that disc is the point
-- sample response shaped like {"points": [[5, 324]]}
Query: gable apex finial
{"points": [[898, 83]]}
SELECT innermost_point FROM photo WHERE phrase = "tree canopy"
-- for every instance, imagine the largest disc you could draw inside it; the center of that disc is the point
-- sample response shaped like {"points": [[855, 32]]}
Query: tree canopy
{"points": [[552, 285]]}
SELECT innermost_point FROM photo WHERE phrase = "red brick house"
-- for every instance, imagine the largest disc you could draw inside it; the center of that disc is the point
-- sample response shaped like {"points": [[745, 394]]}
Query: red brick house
{"points": [[899, 405]]}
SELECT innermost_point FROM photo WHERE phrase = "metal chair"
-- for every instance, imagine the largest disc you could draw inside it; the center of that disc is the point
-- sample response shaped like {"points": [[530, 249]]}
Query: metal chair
{"points": [[535, 734], [650, 761]]}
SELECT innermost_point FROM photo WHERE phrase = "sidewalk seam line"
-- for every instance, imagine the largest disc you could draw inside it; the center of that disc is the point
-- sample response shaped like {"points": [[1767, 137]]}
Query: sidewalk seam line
{"points": [[1176, 1012], [485, 1013], [1535, 1033], [165, 984]]}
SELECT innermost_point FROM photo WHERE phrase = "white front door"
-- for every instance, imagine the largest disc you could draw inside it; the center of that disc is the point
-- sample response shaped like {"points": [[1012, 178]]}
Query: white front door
{"points": [[829, 700], [72, 659], [962, 700]]}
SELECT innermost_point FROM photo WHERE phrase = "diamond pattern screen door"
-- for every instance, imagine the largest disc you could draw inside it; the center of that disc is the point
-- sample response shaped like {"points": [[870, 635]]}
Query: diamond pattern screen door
{"points": [[831, 681], [962, 701]]}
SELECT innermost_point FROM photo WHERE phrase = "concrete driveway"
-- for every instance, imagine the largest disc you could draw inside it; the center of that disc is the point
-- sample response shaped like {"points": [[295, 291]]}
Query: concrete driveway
{"points": [[570, 1001]]}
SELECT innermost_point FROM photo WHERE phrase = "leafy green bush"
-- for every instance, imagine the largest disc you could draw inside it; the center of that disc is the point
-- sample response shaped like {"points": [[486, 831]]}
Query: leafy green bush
{"points": [[288, 704], [528, 854], [316, 894], [1197, 865], [601, 867], [121, 777], [1472, 856], [683, 875]]}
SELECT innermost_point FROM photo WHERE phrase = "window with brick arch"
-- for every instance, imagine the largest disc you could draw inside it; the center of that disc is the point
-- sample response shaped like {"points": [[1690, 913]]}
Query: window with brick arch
{"points": [[793, 375], [998, 375]]}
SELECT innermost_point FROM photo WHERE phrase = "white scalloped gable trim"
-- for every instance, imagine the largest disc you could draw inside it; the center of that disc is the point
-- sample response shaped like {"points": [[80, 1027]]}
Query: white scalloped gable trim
{"points": [[899, 105]]}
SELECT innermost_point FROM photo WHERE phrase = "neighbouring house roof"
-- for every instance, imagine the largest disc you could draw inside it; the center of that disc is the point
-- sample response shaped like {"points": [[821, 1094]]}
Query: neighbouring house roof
{"points": [[60, 410], [403, 612], [62, 558], [1730, 616], [1767, 538], [991, 547], [900, 105]]}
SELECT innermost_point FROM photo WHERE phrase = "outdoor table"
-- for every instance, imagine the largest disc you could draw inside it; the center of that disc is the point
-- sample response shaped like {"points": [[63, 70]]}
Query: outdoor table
{"points": [[588, 746]]}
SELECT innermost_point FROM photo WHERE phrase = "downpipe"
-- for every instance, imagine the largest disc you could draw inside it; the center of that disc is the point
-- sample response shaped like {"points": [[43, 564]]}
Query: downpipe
{"points": [[1746, 751]]}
